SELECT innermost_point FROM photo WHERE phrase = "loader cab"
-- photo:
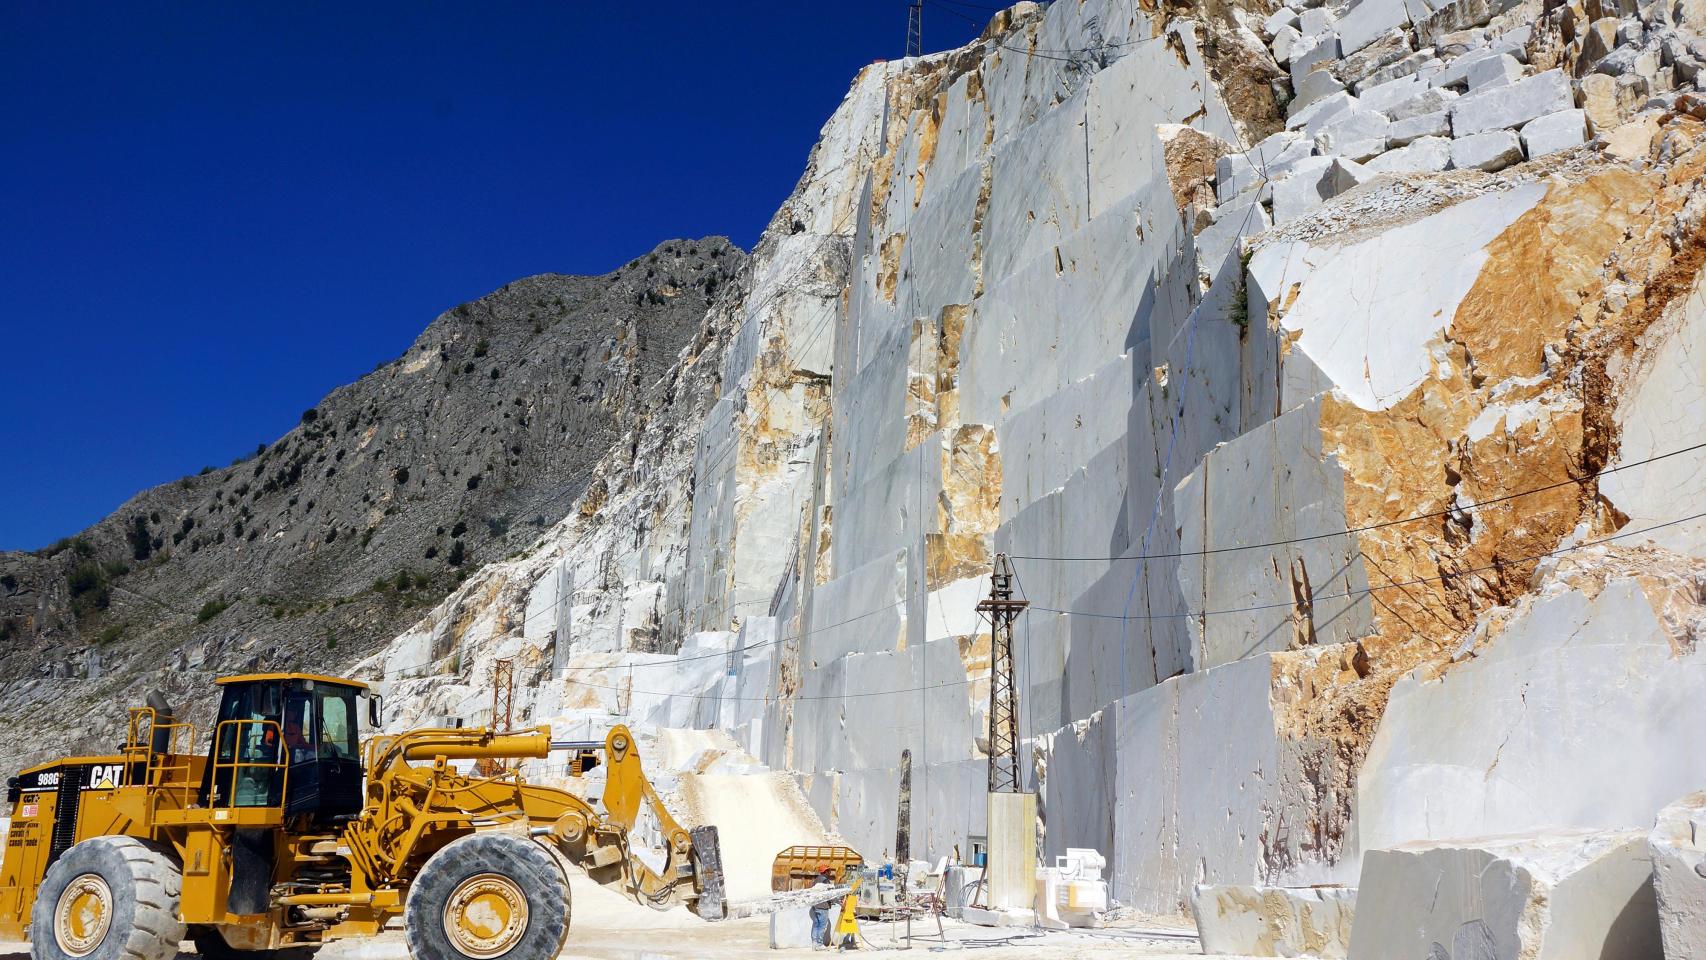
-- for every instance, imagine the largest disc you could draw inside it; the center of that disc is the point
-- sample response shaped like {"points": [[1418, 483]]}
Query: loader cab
{"points": [[287, 741]]}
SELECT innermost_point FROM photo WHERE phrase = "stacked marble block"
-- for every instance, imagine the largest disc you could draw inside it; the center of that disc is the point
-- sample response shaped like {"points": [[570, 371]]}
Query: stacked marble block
{"points": [[1417, 86]]}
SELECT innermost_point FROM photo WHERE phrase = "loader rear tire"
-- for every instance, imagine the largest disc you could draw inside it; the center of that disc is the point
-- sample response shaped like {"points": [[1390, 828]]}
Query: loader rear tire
{"points": [[108, 898], [486, 896]]}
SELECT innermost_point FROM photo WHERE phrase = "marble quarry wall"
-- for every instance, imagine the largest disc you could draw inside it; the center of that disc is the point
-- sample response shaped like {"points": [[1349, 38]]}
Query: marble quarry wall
{"points": [[1329, 372]]}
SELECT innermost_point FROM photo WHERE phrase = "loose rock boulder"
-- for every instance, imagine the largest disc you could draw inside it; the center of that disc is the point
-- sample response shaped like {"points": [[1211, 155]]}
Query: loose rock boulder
{"points": [[1538, 897], [1274, 921], [1678, 848]]}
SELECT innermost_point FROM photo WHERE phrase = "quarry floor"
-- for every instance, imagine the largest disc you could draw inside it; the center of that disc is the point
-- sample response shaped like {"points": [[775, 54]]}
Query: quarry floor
{"points": [[610, 927], [607, 926]]}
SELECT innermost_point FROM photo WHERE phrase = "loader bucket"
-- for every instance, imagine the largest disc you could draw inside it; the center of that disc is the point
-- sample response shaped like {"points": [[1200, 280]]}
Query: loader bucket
{"points": [[708, 874]]}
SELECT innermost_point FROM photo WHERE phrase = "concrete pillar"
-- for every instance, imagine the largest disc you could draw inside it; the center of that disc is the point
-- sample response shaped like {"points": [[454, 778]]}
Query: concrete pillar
{"points": [[1012, 849]]}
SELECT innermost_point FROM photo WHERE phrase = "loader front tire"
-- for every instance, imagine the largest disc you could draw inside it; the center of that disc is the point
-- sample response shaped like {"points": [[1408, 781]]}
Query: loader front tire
{"points": [[108, 898], [486, 896]]}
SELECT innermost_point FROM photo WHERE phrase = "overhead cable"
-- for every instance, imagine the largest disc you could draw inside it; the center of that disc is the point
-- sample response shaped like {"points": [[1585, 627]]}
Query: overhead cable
{"points": [[1449, 511], [1348, 594], [1390, 585]]}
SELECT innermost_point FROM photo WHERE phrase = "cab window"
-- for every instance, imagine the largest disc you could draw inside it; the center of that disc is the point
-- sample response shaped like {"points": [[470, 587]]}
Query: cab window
{"points": [[298, 726], [337, 734], [247, 752]]}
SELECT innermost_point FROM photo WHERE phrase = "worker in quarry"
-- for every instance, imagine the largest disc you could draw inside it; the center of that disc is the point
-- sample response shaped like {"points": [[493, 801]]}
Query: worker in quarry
{"points": [[820, 910]]}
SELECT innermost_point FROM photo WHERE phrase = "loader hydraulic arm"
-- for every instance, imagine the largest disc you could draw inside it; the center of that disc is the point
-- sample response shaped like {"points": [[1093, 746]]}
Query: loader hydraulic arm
{"points": [[412, 810]]}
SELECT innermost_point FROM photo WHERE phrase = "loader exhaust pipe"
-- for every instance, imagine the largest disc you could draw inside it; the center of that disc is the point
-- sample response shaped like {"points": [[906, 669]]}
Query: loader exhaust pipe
{"points": [[160, 736]]}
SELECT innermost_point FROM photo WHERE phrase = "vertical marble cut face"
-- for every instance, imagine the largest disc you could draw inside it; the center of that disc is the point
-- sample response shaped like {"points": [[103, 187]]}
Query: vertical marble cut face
{"points": [[1663, 409]]}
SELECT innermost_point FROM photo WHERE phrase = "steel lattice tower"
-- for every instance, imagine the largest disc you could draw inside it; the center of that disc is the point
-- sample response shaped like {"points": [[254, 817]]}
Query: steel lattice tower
{"points": [[1002, 610], [503, 711], [915, 28], [503, 695]]}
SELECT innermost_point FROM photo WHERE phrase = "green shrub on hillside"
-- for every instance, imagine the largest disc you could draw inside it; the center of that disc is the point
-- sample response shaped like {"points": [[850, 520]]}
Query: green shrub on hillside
{"points": [[141, 541], [211, 609]]}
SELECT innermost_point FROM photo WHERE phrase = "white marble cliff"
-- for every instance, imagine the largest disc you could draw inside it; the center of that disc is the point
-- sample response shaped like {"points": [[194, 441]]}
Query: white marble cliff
{"points": [[1312, 363]]}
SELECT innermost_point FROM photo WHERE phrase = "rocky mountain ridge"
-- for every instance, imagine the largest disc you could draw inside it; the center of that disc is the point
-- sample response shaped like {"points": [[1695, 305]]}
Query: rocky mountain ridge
{"points": [[385, 496]]}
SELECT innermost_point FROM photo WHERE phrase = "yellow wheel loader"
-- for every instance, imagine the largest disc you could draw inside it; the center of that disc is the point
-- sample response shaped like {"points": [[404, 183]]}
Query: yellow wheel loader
{"points": [[289, 832]]}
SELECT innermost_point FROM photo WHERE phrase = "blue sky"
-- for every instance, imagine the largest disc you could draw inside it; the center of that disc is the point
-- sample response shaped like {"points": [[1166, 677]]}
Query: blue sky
{"points": [[213, 213]]}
